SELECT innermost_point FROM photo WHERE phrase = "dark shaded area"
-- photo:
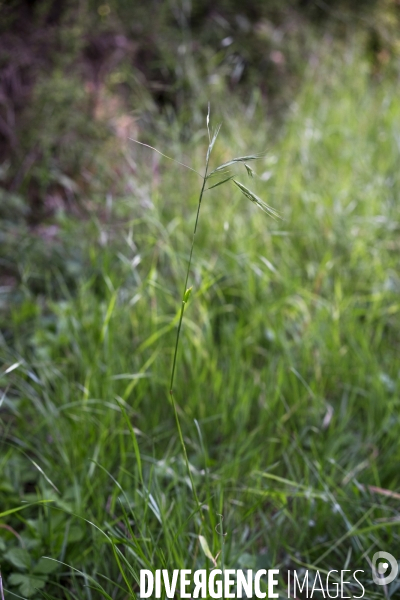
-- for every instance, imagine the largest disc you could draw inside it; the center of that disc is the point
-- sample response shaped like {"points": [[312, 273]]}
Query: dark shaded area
{"points": [[57, 58]]}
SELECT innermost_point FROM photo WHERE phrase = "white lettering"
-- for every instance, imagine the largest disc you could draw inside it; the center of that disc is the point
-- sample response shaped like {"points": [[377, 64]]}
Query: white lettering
{"points": [[257, 589], [343, 582], [170, 587], [305, 583], [244, 585], [334, 584], [200, 581], [146, 580], [215, 587], [228, 582], [359, 583], [272, 583], [185, 582], [319, 589], [157, 586]]}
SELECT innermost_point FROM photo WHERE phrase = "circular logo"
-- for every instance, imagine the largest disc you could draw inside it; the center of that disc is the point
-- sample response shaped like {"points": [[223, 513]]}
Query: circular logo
{"points": [[381, 574]]}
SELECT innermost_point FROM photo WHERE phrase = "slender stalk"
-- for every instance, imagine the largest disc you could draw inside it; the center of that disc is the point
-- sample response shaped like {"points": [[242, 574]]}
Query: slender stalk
{"points": [[186, 283], [178, 333], [222, 169]]}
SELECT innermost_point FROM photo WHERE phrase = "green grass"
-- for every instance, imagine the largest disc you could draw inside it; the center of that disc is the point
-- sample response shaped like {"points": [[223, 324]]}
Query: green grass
{"points": [[287, 379]]}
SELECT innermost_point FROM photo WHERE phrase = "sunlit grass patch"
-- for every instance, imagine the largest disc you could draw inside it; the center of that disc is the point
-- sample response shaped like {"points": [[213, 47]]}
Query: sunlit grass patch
{"points": [[288, 368]]}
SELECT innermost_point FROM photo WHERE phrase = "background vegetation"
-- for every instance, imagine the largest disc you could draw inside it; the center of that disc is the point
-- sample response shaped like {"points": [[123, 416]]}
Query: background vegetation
{"points": [[287, 382]]}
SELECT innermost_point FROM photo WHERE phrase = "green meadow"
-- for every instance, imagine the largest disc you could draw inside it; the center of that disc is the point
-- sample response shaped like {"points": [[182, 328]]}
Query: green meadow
{"points": [[280, 446]]}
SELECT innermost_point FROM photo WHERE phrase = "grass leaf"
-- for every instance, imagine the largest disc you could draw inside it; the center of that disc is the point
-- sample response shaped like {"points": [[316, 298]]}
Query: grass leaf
{"points": [[206, 549], [211, 144], [249, 170], [134, 440], [240, 159], [219, 183], [257, 201]]}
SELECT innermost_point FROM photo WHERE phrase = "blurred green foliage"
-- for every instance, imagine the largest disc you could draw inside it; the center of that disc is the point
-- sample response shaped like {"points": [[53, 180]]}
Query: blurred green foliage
{"points": [[69, 70], [289, 361]]}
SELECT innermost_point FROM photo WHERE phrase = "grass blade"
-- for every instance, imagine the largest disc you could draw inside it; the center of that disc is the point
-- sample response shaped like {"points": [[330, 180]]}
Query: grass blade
{"points": [[240, 159], [219, 183], [257, 201], [211, 144], [18, 508], [134, 440]]}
